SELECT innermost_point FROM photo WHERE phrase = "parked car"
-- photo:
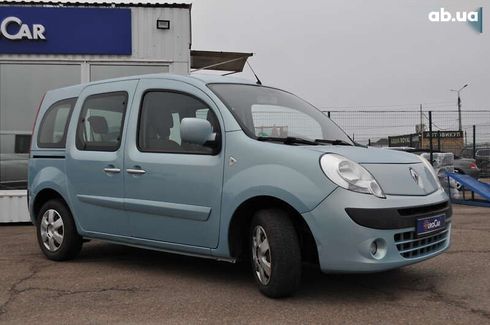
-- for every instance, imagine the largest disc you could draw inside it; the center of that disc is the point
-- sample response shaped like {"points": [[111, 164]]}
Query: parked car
{"points": [[223, 168], [466, 166], [13, 171], [482, 158]]}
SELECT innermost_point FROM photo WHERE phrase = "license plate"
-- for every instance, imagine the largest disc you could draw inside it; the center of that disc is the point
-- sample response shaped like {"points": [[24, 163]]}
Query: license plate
{"points": [[430, 224]]}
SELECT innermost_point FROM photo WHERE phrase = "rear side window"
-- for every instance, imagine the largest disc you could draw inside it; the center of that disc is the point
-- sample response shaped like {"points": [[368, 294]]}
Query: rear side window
{"points": [[101, 122], [52, 132]]}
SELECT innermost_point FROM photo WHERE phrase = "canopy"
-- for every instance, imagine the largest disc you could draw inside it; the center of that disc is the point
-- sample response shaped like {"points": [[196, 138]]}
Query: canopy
{"points": [[222, 61]]}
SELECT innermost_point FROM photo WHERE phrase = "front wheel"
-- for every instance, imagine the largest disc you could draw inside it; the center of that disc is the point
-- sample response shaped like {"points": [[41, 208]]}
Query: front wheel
{"points": [[56, 232], [276, 253]]}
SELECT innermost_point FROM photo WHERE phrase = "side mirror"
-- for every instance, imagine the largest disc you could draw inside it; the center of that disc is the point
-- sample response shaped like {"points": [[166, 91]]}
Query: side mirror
{"points": [[196, 131]]}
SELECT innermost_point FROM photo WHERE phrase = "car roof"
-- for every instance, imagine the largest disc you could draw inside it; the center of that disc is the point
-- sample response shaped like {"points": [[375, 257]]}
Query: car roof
{"points": [[195, 79], [192, 78]]}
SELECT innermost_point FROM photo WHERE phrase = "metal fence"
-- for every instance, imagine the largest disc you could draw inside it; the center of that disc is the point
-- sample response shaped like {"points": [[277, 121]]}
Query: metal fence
{"points": [[380, 128], [416, 129]]}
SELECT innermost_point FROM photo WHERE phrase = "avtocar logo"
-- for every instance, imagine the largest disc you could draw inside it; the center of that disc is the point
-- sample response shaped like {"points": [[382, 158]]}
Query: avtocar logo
{"points": [[429, 225], [21, 31]]}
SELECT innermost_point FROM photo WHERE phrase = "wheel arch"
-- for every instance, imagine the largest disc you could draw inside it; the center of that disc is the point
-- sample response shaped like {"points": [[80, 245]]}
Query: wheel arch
{"points": [[239, 226], [44, 196]]}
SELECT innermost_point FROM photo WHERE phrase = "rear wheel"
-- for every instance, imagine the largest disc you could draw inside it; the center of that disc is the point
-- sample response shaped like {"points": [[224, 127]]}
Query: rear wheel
{"points": [[57, 235], [276, 253]]}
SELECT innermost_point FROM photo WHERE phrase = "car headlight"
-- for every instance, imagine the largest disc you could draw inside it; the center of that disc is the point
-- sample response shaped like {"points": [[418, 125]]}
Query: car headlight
{"points": [[432, 171], [350, 175]]}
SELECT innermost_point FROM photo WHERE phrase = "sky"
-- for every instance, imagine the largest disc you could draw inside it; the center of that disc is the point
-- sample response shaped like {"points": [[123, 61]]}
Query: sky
{"points": [[353, 54]]}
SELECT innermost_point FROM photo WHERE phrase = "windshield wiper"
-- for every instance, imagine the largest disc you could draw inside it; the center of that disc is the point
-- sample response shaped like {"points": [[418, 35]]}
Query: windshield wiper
{"points": [[334, 142], [289, 140]]}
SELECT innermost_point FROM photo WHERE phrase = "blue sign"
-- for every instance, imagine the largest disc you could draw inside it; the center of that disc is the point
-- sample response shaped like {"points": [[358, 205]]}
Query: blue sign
{"points": [[430, 224], [41, 30]]}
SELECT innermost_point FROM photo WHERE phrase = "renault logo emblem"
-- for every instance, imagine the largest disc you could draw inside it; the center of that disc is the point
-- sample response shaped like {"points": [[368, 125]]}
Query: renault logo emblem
{"points": [[416, 177]]}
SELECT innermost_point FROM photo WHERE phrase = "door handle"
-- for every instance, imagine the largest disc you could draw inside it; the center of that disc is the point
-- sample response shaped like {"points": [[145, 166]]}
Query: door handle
{"points": [[135, 171], [112, 170]]}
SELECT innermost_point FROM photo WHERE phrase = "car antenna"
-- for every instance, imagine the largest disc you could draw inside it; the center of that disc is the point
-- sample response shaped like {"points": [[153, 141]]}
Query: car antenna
{"points": [[258, 80]]}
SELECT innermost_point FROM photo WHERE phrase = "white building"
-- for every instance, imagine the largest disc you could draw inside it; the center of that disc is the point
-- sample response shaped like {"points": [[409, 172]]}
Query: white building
{"points": [[47, 44]]}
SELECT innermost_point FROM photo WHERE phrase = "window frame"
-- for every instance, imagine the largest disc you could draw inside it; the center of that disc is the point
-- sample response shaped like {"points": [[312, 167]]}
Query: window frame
{"points": [[62, 143], [79, 142], [216, 151]]}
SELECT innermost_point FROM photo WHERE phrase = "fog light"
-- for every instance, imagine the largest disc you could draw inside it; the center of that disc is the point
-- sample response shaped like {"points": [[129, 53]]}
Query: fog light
{"points": [[374, 248], [378, 248]]}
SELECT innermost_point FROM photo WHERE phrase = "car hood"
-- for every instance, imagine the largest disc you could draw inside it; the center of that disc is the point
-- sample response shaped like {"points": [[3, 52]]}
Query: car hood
{"points": [[369, 155]]}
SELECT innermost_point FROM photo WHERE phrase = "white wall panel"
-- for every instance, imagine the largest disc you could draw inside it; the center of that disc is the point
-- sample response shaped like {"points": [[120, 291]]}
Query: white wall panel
{"points": [[149, 43], [24, 79], [13, 206], [108, 71]]}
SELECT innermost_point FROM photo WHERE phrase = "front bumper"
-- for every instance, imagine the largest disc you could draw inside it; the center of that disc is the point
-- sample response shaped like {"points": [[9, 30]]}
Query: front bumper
{"points": [[344, 245]]}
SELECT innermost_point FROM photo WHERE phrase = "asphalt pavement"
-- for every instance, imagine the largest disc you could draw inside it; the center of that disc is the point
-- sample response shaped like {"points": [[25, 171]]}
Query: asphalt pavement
{"points": [[109, 283]]}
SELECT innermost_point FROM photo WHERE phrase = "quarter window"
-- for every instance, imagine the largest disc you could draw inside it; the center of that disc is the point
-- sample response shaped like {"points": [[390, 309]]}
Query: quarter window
{"points": [[52, 132], [159, 123], [101, 122]]}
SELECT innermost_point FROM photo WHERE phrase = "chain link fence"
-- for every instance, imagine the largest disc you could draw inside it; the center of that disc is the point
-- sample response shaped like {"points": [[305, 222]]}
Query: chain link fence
{"points": [[416, 129], [378, 128]]}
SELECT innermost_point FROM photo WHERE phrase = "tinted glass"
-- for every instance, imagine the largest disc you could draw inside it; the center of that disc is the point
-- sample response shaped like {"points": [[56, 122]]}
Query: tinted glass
{"points": [[22, 143], [269, 112], [101, 122], [483, 153], [159, 124], [52, 132]]}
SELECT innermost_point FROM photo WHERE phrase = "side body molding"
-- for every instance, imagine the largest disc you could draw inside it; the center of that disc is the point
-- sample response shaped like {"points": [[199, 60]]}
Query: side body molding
{"points": [[183, 211]]}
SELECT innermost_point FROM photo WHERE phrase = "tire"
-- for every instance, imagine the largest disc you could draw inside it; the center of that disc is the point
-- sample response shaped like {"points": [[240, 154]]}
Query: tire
{"points": [[57, 234], [277, 270]]}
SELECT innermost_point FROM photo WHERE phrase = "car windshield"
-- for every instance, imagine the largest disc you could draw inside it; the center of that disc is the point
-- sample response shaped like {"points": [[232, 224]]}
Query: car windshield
{"points": [[265, 112]]}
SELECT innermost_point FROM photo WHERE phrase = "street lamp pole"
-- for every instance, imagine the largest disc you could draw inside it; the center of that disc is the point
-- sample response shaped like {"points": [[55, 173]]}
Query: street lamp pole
{"points": [[459, 105]]}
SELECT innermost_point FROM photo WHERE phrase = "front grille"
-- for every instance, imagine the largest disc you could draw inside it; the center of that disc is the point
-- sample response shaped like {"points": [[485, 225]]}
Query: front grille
{"points": [[411, 246], [423, 209]]}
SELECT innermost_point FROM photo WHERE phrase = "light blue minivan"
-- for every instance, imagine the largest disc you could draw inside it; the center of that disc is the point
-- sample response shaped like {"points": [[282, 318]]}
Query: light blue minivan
{"points": [[227, 169]]}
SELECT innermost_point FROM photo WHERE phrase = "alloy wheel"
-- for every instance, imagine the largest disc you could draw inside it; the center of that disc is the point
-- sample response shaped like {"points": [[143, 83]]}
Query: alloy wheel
{"points": [[261, 254], [52, 230]]}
